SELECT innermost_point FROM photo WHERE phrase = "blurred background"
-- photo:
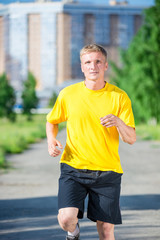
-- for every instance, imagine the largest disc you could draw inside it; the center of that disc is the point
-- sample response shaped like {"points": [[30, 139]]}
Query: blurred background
{"points": [[40, 42], [44, 37]]}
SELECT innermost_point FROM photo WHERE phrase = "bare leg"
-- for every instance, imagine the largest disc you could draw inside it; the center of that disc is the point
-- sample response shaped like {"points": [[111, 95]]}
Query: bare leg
{"points": [[67, 218], [105, 230]]}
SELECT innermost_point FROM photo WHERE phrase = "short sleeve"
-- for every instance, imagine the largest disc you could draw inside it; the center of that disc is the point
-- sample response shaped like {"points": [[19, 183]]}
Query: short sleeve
{"points": [[126, 112], [58, 114]]}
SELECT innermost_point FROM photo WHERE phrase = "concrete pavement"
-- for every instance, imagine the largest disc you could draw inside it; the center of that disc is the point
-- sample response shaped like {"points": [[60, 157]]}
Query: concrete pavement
{"points": [[28, 195]]}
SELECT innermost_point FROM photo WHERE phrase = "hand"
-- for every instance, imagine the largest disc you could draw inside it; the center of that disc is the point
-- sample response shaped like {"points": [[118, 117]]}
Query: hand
{"points": [[53, 151], [126, 133], [110, 121]]}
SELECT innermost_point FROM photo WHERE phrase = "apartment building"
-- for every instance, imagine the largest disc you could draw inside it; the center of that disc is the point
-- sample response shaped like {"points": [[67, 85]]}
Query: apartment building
{"points": [[45, 38]]}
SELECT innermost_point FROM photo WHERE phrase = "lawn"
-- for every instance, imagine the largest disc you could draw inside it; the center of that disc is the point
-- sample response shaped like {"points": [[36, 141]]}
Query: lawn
{"points": [[148, 132], [15, 137]]}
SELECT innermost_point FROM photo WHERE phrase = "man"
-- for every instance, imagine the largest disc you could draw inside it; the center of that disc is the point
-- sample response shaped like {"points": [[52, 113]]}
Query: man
{"points": [[97, 113]]}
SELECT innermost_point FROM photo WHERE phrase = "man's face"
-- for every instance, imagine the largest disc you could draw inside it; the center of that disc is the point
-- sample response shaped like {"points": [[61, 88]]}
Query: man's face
{"points": [[93, 66]]}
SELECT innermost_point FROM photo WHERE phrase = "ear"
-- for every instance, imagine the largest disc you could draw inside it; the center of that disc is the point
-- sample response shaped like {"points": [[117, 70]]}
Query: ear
{"points": [[106, 66], [82, 67]]}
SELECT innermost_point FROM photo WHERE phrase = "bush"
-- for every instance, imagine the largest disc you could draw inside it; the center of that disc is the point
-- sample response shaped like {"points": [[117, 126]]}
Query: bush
{"points": [[7, 98], [30, 100], [14, 144]]}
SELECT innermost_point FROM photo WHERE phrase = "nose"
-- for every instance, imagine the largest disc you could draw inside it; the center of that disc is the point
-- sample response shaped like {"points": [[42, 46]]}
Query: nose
{"points": [[93, 65]]}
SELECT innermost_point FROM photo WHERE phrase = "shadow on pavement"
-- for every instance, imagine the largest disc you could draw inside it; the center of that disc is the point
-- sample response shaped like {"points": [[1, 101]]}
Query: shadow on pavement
{"points": [[140, 202], [36, 218]]}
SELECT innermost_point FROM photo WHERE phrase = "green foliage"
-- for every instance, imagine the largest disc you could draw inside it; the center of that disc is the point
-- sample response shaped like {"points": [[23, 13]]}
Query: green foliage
{"points": [[30, 100], [148, 132], [16, 136], [2, 158], [7, 98], [139, 75], [52, 99]]}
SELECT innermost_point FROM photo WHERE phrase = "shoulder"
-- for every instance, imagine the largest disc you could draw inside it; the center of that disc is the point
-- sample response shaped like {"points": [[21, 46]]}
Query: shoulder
{"points": [[72, 89], [116, 91]]}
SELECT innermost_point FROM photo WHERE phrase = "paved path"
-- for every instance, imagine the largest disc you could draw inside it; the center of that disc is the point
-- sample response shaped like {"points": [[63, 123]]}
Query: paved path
{"points": [[28, 195]]}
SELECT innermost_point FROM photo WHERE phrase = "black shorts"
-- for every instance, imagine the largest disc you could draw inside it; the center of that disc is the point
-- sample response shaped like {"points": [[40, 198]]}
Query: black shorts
{"points": [[102, 188]]}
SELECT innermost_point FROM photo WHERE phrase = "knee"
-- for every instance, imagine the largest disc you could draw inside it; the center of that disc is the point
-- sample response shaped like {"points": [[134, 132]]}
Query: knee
{"points": [[67, 221], [64, 221]]}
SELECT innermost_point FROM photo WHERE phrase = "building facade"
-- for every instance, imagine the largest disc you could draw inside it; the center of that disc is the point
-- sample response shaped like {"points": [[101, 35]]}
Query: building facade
{"points": [[45, 38]]}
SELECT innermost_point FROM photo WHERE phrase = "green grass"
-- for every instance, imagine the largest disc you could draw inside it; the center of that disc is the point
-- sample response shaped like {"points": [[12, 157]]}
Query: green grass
{"points": [[16, 137], [148, 132]]}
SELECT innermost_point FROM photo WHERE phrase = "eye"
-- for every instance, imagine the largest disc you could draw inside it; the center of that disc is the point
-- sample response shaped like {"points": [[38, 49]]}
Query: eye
{"points": [[98, 61], [87, 62]]}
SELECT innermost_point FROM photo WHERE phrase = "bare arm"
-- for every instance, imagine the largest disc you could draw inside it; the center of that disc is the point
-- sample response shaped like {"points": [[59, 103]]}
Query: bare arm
{"points": [[127, 134], [53, 143]]}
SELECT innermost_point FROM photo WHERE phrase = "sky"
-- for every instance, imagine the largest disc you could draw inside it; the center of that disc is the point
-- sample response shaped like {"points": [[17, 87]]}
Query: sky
{"points": [[131, 2]]}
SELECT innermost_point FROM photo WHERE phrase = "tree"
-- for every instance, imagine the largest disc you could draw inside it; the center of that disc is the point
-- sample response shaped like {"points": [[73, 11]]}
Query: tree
{"points": [[7, 98], [29, 98], [52, 100], [139, 74]]}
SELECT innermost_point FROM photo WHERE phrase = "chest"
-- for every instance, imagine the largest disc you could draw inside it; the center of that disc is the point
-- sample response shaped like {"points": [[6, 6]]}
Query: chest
{"points": [[92, 106]]}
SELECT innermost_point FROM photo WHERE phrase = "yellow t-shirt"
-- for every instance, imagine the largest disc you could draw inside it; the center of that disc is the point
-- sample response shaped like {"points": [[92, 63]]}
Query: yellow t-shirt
{"points": [[90, 145]]}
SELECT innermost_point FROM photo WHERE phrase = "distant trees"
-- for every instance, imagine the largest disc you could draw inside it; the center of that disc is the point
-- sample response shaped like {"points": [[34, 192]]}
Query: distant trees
{"points": [[52, 100], [7, 98], [29, 98], [139, 75]]}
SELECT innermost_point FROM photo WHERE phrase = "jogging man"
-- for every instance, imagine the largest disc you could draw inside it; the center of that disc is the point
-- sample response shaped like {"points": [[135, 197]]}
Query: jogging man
{"points": [[97, 113]]}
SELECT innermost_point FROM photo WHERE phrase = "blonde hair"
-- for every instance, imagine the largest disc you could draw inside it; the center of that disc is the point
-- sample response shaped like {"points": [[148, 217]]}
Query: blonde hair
{"points": [[93, 48]]}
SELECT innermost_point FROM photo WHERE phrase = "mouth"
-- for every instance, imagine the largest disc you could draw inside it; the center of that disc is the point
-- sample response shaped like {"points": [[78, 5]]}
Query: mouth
{"points": [[93, 72]]}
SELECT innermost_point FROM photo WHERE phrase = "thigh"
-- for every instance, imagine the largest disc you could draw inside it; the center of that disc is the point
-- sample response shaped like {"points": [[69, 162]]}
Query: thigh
{"points": [[104, 199], [71, 194]]}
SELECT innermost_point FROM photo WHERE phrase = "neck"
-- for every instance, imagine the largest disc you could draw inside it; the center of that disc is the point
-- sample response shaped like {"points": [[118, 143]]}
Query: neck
{"points": [[95, 85]]}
